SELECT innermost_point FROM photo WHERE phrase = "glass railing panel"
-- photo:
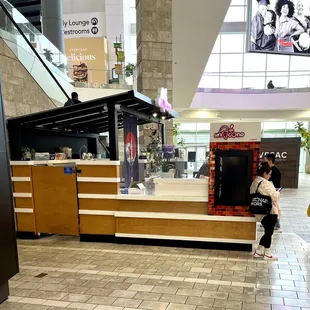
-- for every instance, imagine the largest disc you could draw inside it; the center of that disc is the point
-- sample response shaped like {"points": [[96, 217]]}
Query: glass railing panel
{"points": [[37, 71], [47, 51]]}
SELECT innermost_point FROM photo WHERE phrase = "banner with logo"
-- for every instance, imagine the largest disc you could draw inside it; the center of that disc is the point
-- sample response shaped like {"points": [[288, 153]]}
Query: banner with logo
{"points": [[89, 57], [87, 25], [131, 163], [235, 132], [287, 154]]}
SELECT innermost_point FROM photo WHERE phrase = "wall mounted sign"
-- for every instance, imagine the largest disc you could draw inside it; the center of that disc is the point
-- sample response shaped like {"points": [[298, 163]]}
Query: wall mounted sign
{"points": [[235, 132], [89, 58], [287, 153], [85, 25], [162, 100], [226, 132]]}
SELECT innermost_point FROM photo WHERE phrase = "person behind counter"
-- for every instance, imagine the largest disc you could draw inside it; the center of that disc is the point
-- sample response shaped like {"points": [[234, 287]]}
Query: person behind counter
{"points": [[74, 100], [204, 170]]}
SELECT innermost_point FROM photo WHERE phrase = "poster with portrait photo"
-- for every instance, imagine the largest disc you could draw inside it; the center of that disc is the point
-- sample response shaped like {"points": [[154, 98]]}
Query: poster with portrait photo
{"points": [[279, 26]]}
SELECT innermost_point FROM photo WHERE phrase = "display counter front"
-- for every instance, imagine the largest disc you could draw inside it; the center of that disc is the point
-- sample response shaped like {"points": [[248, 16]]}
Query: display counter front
{"points": [[82, 198]]}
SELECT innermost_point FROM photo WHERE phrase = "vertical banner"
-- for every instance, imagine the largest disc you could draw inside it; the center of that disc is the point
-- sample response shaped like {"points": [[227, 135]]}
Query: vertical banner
{"points": [[131, 163]]}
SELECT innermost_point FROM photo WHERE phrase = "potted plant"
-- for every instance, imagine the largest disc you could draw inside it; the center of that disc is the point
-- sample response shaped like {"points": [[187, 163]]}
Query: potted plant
{"points": [[305, 142], [27, 153], [129, 70]]}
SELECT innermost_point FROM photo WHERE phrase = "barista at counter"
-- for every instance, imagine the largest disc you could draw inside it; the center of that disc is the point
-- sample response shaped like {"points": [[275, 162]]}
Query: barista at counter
{"points": [[74, 99], [204, 172]]}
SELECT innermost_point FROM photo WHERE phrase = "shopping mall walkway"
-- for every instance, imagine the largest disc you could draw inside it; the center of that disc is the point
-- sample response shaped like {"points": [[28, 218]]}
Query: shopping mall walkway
{"points": [[61, 273]]}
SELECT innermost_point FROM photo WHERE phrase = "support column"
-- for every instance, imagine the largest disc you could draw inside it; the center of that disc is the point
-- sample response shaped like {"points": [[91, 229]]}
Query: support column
{"points": [[154, 44], [52, 22], [113, 133]]}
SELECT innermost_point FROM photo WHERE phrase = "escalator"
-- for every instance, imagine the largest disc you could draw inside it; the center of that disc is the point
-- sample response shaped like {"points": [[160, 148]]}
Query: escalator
{"points": [[46, 64]]}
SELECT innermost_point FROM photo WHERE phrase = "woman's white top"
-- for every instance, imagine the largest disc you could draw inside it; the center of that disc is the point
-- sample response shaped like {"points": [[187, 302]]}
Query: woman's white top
{"points": [[267, 189]]}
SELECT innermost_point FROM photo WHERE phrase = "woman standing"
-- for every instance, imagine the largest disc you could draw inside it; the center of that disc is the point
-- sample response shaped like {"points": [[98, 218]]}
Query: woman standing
{"points": [[268, 221], [287, 27]]}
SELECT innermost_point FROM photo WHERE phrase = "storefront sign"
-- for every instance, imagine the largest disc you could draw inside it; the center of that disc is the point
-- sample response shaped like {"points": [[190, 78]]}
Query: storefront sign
{"points": [[85, 25], [226, 132], [279, 155], [89, 59], [162, 100], [121, 56], [118, 69], [235, 132], [287, 153]]}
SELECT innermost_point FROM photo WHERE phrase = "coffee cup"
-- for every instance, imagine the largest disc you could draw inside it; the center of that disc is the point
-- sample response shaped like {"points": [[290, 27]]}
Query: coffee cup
{"points": [[60, 156]]}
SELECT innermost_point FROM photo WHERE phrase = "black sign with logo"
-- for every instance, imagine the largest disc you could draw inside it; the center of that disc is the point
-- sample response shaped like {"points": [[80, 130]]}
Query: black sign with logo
{"points": [[287, 153]]}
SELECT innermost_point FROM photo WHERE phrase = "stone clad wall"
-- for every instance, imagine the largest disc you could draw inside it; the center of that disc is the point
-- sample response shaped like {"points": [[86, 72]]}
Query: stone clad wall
{"points": [[154, 44], [21, 93]]}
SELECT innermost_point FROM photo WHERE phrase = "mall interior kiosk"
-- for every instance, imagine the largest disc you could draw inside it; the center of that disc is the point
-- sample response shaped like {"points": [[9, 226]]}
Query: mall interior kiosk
{"points": [[8, 248]]}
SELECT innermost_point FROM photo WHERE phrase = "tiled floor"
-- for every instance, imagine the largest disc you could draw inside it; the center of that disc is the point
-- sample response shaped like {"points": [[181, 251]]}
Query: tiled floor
{"points": [[62, 273]]}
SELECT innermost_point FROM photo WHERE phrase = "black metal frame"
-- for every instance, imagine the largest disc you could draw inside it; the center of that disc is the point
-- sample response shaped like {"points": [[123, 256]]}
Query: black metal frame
{"points": [[92, 117], [235, 153], [33, 49]]}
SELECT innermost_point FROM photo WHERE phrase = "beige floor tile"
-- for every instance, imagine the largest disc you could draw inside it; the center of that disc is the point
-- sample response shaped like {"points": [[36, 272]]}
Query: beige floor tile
{"points": [[227, 304], [82, 306], [141, 288], [153, 305], [127, 302], [81, 298], [123, 294], [99, 291], [148, 296], [101, 300], [177, 299], [270, 300], [296, 302], [189, 292], [200, 301], [215, 295], [164, 290], [56, 303], [241, 297], [173, 306], [75, 289]]}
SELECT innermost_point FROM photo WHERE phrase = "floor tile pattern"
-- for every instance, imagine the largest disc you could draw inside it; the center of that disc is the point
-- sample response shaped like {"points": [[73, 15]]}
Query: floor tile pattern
{"points": [[62, 273]]}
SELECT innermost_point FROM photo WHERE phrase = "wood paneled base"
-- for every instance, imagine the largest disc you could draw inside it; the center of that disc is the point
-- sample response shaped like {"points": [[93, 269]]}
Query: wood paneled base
{"points": [[98, 171], [22, 187], [23, 202], [98, 204], [97, 224], [21, 171], [163, 206], [98, 188], [25, 222], [187, 228]]}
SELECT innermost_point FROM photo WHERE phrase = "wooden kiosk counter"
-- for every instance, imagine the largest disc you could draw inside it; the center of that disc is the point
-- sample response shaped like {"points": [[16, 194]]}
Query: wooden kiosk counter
{"points": [[80, 197]]}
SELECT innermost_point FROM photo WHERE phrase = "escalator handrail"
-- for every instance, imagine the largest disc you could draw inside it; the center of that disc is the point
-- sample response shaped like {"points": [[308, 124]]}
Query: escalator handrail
{"points": [[33, 49]]}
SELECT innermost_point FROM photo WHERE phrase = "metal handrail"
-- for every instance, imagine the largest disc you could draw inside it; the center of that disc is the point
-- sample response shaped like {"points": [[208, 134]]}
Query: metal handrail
{"points": [[33, 49]]}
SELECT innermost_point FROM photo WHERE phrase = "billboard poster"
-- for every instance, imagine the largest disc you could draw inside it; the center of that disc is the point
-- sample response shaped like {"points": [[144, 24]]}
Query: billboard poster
{"points": [[279, 26], [89, 59], [131, 163]]}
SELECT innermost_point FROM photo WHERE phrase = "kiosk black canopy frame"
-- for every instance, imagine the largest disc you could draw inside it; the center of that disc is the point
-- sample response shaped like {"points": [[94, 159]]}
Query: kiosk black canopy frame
{"points": [[88, 118]]}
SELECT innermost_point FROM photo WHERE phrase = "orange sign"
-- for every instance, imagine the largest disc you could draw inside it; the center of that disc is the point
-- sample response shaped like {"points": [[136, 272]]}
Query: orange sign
{"points": [[89, 58]]}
